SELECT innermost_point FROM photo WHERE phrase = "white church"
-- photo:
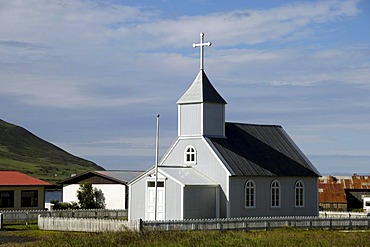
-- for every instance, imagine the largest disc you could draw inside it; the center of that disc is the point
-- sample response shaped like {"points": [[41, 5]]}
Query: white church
{"points": [[218, 169]]}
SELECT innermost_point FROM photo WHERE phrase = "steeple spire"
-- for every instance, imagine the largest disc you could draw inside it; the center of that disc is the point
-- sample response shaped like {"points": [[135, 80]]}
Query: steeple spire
{"points": [[201, 45]]}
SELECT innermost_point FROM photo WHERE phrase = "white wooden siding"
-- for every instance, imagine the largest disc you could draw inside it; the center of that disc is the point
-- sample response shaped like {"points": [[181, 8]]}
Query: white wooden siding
{"points": [[207, 164], [189, 120], [114, 194]]}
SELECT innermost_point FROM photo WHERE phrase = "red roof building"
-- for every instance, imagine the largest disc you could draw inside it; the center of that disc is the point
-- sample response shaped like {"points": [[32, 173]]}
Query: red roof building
{"points": [[20, 191], [14, 178]]}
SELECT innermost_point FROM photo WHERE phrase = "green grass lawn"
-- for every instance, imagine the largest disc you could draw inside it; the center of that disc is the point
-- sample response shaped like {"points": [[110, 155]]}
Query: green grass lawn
{"points": [[277, 237]]}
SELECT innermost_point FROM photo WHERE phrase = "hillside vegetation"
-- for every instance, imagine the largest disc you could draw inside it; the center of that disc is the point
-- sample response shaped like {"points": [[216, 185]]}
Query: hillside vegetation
{"points": [[20, 150]]}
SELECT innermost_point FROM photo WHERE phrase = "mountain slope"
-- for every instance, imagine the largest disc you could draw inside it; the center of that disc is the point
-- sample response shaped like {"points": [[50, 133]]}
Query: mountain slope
{"points": [[23, 151]]}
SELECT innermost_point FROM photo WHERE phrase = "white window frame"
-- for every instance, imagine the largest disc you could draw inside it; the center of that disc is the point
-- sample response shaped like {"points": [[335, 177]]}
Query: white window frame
{"points": [[299, 194], [250, 194], [275, 194], [191, 152]]}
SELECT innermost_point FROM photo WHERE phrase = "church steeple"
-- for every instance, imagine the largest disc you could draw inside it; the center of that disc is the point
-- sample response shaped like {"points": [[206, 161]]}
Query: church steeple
{"points": [[201, 91], [201, 110]]}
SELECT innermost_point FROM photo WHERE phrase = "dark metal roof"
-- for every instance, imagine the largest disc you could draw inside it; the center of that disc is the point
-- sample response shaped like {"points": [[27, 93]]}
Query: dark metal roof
{"points": [[121, 177], [124, 176], [201, 91], [262, 150]]}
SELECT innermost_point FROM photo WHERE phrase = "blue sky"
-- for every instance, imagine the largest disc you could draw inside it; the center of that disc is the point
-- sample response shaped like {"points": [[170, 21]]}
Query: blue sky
{"points": [[90, 76]]}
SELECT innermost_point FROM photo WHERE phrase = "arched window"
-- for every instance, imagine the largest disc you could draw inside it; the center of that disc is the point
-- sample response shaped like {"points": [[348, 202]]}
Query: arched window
{"points": [[299, 194], [190, 155], [250, 194], [275, 194]]}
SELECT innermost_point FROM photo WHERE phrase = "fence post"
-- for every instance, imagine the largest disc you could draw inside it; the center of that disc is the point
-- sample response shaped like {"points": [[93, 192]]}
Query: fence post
{"points": [[141, 225], [1, 221], [267, 225]]}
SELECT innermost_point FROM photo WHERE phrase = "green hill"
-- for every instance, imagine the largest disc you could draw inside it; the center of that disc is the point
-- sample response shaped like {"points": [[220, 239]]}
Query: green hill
{"points": [[23, 151]]}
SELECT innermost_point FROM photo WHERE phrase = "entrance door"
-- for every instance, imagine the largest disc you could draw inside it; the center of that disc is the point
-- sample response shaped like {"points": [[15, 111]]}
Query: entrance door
{"points": [[151, 201]]}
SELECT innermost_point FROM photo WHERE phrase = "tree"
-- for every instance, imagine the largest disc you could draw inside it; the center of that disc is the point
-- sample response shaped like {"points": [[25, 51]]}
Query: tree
{"points": [[89, 197]]}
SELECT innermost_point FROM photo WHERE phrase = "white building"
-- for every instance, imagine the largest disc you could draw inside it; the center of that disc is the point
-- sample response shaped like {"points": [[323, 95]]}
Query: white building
{"points": [[222, 169], [113, 185]]}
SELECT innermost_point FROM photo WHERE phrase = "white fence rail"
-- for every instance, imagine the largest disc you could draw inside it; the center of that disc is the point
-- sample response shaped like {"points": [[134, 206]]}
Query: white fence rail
{"points": [[87, 225], [29, 216], [341, 214], [259, 223]]}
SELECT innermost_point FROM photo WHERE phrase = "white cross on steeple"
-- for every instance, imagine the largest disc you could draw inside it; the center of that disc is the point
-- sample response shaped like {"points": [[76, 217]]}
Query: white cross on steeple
{"points": [[201, 45]]}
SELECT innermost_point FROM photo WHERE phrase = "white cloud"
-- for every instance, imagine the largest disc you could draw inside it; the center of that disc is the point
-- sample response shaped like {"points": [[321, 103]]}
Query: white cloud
{"points": [[249, 26]]}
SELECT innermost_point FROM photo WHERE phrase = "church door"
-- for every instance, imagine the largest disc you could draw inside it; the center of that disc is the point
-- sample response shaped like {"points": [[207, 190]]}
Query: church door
{"points": [[150, 201]]}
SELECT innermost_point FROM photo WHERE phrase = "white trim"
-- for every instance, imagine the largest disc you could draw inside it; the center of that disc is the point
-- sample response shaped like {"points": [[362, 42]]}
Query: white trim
{"points": [[218, 156], [193, 151], [165, 156], [202, 118], [254, 194], [129, 217], [182, 202], [170, 177], [151, 179], [303, 194], [146, 173], [279, 194], [178, 120]]}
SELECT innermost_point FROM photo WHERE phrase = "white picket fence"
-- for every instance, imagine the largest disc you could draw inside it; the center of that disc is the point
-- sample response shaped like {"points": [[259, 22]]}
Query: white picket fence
{"points": [[258, 223], [31, 216], [87, 225], [254, 223]]}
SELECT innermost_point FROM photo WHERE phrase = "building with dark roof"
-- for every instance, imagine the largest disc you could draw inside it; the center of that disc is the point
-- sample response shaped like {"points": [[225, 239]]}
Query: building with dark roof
{"points": [[112, 184], [19, 191], [221, 169]]}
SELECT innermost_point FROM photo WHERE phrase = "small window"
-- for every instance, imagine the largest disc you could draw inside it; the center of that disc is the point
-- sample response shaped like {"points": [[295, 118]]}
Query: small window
{"points": [[152, 184], [29, 198], [275, 194], [250, 194], [299, 194], [7, 199], [190, 155]]}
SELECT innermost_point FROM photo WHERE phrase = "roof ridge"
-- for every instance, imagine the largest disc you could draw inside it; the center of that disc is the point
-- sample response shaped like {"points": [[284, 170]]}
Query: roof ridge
{"points": [[252, 124]]}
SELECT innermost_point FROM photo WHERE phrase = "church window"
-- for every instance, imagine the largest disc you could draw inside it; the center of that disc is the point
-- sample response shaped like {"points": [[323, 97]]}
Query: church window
{"points": [[275, 194], [190, 155], [250, 194], [299, 194]]}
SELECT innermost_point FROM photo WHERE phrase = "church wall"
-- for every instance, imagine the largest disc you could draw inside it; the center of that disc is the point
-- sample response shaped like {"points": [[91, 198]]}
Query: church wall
{"points": [[213, 119], [173, 200], [189, 119], [237, 201], [199, 202], [137, 193], [207, 164]]}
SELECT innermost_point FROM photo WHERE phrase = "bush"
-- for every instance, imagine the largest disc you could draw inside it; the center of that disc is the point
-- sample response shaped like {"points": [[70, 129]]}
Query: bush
{"points": [[63, 205]]}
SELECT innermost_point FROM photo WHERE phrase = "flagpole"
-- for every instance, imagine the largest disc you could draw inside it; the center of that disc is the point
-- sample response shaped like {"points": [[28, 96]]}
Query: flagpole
{"points": [[156, 167]]}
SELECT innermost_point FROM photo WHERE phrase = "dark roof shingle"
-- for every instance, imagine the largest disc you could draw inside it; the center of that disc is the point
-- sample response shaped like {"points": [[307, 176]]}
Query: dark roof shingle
{"points": [[262, 150]]}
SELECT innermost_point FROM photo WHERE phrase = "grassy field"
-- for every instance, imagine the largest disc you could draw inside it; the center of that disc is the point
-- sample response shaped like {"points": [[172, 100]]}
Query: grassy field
{"points": [[30, 236]]}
